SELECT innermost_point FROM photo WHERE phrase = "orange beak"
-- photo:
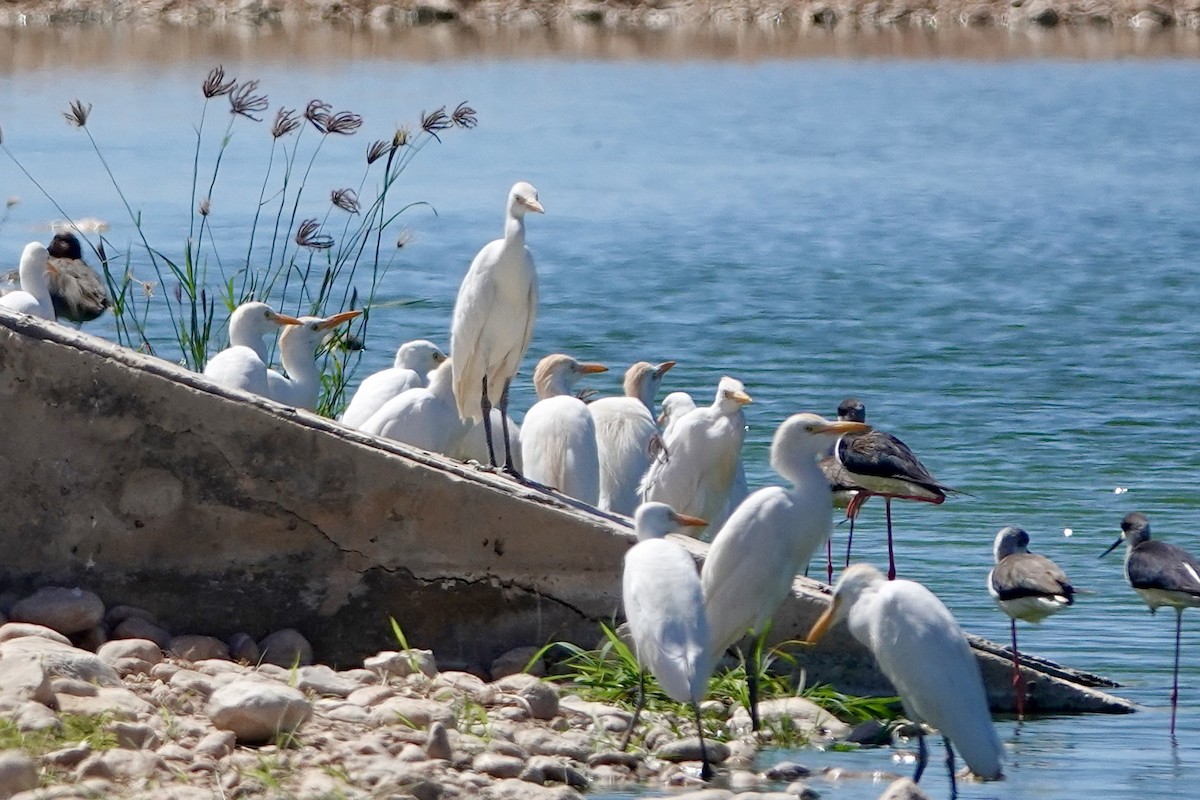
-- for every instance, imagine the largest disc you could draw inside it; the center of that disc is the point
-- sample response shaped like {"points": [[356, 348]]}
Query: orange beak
{"points": [[589, 369], [338, 319], [684, 519], [823, 623]]}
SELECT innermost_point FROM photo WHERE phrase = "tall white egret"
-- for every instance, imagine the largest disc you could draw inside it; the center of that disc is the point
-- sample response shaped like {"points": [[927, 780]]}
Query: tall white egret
{"points": [[77, 292], [625, 434], [34, 295], [1025, 586], [696, 470], [297, 350], [663, 605], [558, 436], [769, 539], [425, 417], [1163, 575], [414, 361], [243, 365], [880, 464], [925, 654], [493, 320]]}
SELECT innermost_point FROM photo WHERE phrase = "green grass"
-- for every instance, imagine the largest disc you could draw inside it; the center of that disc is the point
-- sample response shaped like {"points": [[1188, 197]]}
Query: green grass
{"points": [[73, 729], [610, 674]]}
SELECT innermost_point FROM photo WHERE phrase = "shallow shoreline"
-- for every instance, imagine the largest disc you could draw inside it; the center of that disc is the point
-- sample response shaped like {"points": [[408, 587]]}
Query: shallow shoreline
{"points": [[798, 16]]}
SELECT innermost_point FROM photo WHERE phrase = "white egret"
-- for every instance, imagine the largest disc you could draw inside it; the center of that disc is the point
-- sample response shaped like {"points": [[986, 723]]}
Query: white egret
{"points": [[414, 361], [77, 292], [558, 436], [878, 463], [696, 470], [663, 605], [1025, 586], [243, 365], [925, 654], [493, 320], [674, 406], [297, 350], [625, 434], [1163, 575], [425, 417], [769, 539], [34, 295]]}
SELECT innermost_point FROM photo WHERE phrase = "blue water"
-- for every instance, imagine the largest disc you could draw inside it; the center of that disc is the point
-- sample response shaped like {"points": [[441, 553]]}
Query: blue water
{"points": [[999, 258]]}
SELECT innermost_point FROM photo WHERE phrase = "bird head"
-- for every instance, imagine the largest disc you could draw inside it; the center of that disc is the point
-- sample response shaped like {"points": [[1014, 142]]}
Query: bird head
{"points": [[523, 198], [1135, 529], [1009, 540], [655, 520], [857, 580], [557, 374]]}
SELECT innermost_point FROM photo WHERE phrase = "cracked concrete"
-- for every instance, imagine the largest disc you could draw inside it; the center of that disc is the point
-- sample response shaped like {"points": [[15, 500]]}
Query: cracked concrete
{"points": [[222, 512]]}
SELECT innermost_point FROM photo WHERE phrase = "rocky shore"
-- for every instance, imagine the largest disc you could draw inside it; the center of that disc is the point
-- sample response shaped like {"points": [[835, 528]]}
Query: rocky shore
{"points": [[798, 15], [83, 715]]}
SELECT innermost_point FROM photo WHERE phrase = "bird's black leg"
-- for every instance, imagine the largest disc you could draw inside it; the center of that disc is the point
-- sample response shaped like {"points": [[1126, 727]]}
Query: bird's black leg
{"points": [[1175, 679], [922, 754], [509, 466], [486, 405], [752, 667], [637, 709], [1018, 684], [950, 766], [706, 771], [887, 504], [829, 560]]}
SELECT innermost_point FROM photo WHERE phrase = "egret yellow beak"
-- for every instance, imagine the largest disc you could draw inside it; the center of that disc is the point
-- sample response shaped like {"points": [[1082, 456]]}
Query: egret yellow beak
{"points": [[533, 205], [684, 519], [842, 427], [824, 622], [338, 319], [740, 397], [588, 369], [284, 319], [663, 368]]}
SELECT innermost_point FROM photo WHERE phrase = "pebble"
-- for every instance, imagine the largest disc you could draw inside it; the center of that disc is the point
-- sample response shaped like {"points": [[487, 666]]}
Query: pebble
{"points": [[286, 648], [402, 663], [191, 647], [243, 648], [256, 711], [322, 680], [18, 773], [787, 771], [517, 661], [689, 750], [903, 789], [17, 630], [498, 765], [24, 678], [61, 609]]}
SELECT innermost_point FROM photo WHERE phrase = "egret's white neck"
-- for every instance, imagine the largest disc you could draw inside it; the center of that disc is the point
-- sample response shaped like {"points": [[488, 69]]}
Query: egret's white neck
{"points": [[514, 230], [299, 359], [642, 389], [242, 333], [798, 465], [32, 273], [554, 383], [441, 382]]}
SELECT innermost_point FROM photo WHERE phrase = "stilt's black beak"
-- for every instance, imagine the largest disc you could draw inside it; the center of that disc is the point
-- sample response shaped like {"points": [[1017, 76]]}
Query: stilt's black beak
{"points": [[1112, 547]]}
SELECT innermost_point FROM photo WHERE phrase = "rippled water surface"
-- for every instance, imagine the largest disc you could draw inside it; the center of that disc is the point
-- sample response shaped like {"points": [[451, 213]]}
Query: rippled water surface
{"points": [[998, 257]]}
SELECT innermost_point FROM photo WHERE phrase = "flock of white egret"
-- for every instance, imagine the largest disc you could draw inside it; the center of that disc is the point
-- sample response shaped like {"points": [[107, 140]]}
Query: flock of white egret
{"points": [[680, 469]]}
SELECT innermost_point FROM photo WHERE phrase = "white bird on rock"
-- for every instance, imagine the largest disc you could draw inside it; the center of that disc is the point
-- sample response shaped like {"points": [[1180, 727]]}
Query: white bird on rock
{"points": [[414, 362], [661, 594], [297, 350], [558, 436], [924, 653], [243, 365], [493, 320], [696, 470], [769, 539], [33, 297], [625, 434], [425, 417]]}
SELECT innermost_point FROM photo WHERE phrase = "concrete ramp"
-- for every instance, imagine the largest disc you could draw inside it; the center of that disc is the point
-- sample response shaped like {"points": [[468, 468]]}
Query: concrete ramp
{"points": [[224, 512]]}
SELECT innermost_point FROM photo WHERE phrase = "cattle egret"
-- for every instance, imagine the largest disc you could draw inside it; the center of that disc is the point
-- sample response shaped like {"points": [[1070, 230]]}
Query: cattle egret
{"points": [[414, 362], [558, 436], [33, 297], [297, 350], [243, 365], [626, 432]]}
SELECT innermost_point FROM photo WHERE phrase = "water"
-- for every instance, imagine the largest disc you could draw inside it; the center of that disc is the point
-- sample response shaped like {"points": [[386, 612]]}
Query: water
{"points": [[998, 257]]}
